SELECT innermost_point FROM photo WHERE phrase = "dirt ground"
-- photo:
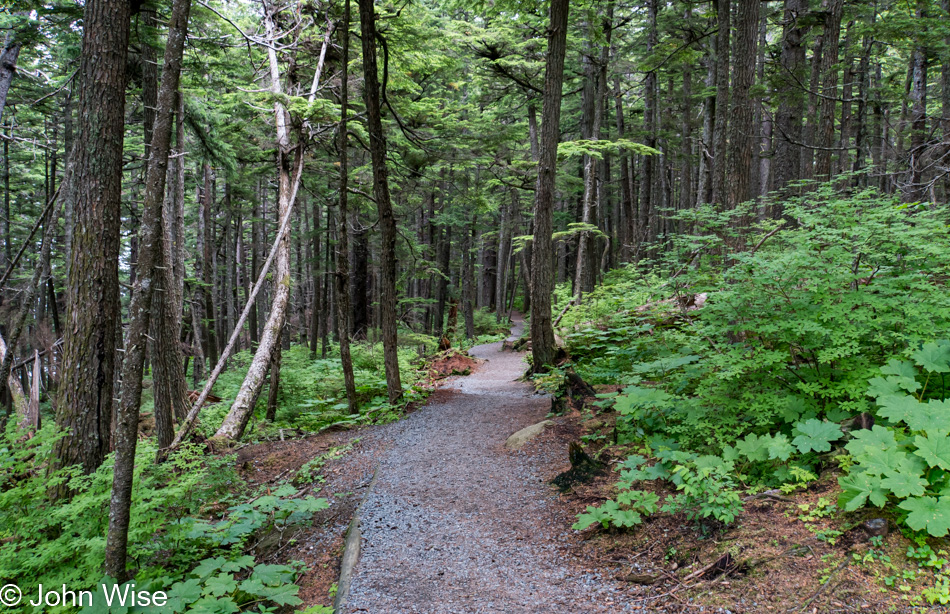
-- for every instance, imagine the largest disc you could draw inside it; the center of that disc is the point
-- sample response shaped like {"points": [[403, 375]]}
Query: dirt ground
{"points": [[349, 458], [457, 523], [771, 560]]}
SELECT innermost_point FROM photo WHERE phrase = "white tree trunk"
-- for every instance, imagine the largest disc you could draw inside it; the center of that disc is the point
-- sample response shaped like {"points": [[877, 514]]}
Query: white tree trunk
{"points": [[243, 406]]}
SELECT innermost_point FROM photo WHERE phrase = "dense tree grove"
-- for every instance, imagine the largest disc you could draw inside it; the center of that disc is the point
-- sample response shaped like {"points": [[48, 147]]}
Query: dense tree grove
{"points": [[183, 182]]}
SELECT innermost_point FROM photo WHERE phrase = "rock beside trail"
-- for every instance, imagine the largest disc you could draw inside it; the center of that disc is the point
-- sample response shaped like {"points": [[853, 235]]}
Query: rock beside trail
{"points": [[526, 434]]}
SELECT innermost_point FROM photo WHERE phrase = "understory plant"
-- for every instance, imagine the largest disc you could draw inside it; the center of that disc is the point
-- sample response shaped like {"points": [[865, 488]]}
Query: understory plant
{"points": [[755, 357], [904, 462], [188, 533]]}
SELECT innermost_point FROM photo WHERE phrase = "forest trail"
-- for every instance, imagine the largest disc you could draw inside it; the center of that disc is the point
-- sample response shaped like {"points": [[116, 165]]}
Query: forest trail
{"points": [[456, 523]]}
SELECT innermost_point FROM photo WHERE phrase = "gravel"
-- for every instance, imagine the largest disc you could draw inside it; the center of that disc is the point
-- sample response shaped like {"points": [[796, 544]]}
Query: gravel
{"points": [[456, 523]]}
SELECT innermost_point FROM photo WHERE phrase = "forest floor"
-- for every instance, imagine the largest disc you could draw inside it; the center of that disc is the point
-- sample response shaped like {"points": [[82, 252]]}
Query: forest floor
{"points": [[456, 522]]}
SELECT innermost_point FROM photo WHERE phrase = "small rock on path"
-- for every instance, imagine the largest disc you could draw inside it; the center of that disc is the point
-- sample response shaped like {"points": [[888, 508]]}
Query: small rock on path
{"points": [[458, 524]]}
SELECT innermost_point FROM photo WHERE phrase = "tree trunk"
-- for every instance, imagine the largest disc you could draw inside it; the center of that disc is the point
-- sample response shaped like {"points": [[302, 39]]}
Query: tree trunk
{"points": [[720, 125], [742, 130], [847, 86], [687, 199], [31, 419], [342, 245], [586, 260], [945, 96], [387, 222], [206, 232], [7, 237], [8, 60], [127, 419], [788, 118], [627, 233], [359, 321], [171, 390], [240, 413], [811, 116], [317, 281], [14, 388], [26, 300], [829, 87], [915, 189], [257, 240], [271, 412], [647, 205], [503, 253], [542, 271], [861, 148], [442, 281], [148, 59], [84, 406], [468, 280]]}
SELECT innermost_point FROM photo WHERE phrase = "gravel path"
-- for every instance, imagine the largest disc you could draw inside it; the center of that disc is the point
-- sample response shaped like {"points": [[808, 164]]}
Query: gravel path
{"points": [[456, 523]]}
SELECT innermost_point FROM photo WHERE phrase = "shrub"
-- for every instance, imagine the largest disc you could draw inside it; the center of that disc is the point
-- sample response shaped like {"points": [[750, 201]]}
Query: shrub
{"points": [[906, 461], [764, 374]]}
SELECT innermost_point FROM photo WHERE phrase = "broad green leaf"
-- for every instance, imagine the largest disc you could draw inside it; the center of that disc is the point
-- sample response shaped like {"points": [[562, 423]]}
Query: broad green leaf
{"points": [[881, 387], [633, 462], [625, 518], [636, 397], [877, 438], [183, 593], [213, 605], [898, 408], [242, 562], [904, 483], [900, 368], [657, 471], [709, 461], [933, 357], [935, 450], [220, 585], [795, 408], [285, 594], [878, 462], [930, 513], [641, 500], [208, 566], [780, 448], [252, 586], [753, 447], [730, 453], [593, 516], [814, 434], [273, 574], [858, 488], [933, 417], [891, 385]]}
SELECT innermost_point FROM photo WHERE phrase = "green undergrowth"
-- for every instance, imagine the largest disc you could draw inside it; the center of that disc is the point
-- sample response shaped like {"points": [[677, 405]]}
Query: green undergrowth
{"points": [[753, 369], [196, 528], [193, 525], [312, 395]]}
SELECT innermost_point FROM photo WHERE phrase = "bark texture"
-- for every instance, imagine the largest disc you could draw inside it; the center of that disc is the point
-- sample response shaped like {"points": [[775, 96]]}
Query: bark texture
{"points": [[387, 221], [84, 406], [127, 419], [342, 246], [542, 254]]}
